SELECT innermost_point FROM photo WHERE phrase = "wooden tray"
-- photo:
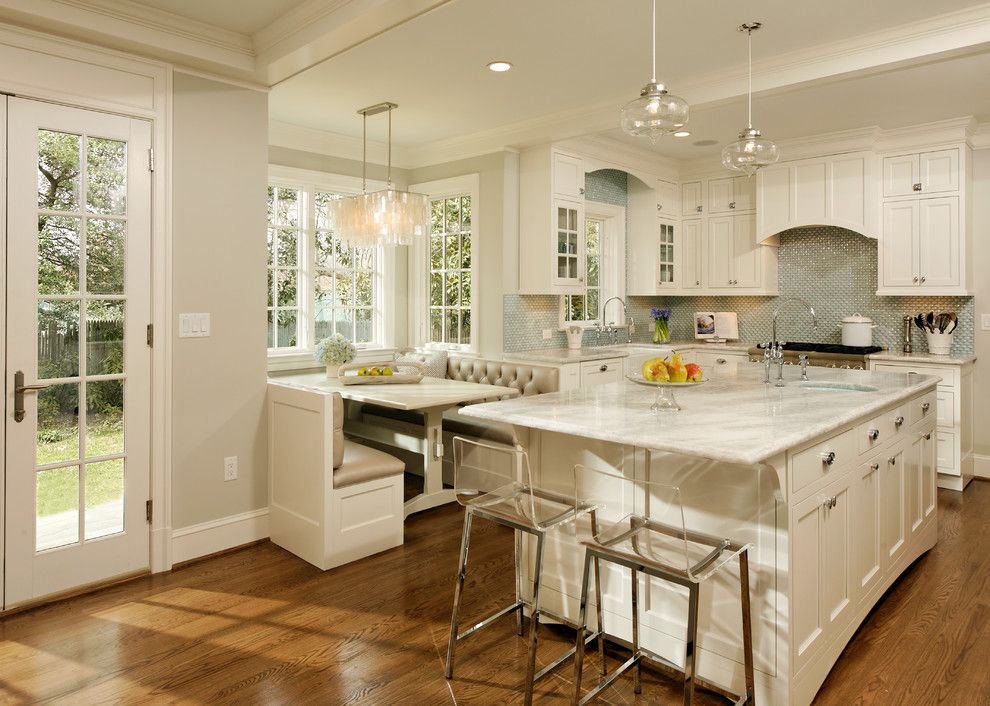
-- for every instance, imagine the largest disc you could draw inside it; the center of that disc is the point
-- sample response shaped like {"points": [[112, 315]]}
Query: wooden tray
{"points": [[394, 379]]}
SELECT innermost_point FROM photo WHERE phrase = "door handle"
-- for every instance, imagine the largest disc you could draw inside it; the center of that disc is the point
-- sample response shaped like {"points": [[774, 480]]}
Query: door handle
{"points": [[19, 389]]}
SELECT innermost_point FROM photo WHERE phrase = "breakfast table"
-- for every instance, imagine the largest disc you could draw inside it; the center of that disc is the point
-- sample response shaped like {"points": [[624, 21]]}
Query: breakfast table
{"points": [[431, 397]]}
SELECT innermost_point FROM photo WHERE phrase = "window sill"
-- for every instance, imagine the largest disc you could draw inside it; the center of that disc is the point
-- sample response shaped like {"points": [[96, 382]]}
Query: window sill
{"points": [[303, 360]]}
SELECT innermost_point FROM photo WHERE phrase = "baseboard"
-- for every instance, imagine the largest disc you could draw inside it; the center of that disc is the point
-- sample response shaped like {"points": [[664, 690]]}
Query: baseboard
{"points": [[217, 535], [981, 466]]}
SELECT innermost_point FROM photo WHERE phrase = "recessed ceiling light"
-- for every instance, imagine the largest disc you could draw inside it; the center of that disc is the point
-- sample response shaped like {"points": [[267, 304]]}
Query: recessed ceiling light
{"points": [[682, 133], [499, 66]]}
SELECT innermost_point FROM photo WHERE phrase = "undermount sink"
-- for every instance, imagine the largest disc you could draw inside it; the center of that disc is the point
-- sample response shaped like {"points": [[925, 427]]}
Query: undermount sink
{"points": [[826, 386]]}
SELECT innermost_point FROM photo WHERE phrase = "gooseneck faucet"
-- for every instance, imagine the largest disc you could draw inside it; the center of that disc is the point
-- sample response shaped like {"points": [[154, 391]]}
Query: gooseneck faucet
{"points": [[610, 328], [775, 348], [780, 306]]}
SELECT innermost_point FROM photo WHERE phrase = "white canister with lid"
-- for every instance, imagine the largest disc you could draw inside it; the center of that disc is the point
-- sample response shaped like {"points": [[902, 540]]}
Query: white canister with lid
{"points": [[857, 330]]}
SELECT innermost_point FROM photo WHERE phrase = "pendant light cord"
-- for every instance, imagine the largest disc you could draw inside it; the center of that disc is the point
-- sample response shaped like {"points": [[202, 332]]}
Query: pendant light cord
{"points": [[364, 153], [388, 172], [653, 68], [749, 117]]}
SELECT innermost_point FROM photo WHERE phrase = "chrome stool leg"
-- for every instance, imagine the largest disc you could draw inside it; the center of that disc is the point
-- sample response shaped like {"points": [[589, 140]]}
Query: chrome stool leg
{"points": [[637, 675], [581, 629], [534, 620], [458, 592], [691, 645], [519, 590], [600, 625], [747, 626]]}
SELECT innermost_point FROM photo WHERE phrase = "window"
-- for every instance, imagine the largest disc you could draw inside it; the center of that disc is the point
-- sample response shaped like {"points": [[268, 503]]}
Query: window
{"points": [[450, 277], [585, 307], [317, 285]]}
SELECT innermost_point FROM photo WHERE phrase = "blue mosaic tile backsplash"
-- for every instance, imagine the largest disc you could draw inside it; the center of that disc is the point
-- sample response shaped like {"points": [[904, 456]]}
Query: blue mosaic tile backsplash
{"points": [[833, 269]]}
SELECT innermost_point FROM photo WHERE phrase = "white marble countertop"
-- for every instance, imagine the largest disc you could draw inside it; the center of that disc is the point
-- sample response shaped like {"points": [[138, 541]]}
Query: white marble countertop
{"points": [[734, 418], [898, 357]]}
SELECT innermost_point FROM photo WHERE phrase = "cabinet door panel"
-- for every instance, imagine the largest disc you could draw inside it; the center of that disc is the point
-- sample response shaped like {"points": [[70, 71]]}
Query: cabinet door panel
{"points": [[806, 574], [892, 503], [568, 243], [744, 193], [939, 171], [775, 199], [929, 475], [691, 198], [568, 176], [900, 231], [938, 242], [809, 191], [836, 574], [691, 258], [667, 202], [847, 195], [665, 253], [720, 251], [745, 252], [913, 472], [866, 527], [720, 195], [900, 174]]}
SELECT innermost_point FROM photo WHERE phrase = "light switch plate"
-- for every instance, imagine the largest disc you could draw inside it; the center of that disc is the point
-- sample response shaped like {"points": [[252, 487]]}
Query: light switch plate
{"points": [[194, 325], [985, 322]]}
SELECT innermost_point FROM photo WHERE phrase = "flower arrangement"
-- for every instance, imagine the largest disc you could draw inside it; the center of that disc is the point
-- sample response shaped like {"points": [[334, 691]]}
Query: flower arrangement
{"points": [[661, 324], [333, 352]]}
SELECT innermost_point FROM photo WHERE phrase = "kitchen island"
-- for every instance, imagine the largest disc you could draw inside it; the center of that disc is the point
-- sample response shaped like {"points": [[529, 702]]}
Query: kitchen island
{"points": [[832, 481]]}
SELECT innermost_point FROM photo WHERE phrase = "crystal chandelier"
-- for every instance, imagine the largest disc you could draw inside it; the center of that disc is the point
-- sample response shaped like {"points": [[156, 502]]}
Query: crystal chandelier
{"points": [[387, 217], [751, 152], [656, 112]]}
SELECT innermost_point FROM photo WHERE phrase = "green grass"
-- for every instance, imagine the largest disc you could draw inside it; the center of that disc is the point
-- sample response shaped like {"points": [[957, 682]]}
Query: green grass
{"points": [[58, 489]]}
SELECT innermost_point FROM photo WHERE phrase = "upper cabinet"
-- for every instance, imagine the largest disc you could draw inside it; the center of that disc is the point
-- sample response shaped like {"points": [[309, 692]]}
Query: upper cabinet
{"points": [[935, 172], [551, 222], [838, 190], [691, 199], [668, 205], [730, 194], [925, 241]]}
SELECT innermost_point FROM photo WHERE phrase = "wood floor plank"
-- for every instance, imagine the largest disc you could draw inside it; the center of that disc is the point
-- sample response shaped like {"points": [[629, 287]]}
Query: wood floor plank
{"points": [[260, 626]]}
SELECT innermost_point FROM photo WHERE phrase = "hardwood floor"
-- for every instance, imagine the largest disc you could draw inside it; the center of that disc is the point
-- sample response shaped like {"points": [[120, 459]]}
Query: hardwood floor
{"points": [[260, 626]]}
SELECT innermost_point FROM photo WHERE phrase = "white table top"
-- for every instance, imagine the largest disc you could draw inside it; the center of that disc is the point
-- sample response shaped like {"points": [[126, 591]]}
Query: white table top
{"points": [[428, 394]]}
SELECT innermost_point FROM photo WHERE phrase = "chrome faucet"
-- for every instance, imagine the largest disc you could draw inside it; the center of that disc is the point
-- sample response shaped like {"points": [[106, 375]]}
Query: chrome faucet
{"points": [[786, 300], [610, 328]]}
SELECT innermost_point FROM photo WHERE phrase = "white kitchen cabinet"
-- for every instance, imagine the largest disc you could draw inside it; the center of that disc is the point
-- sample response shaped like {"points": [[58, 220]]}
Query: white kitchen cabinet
{"points": [[692, 198], [933, 172], [836, 190], [921, 246], [692, 274], [865, 518], [601, 372], [666, 248], [654, 268], [551, 222], [734, 255], [667, 202], [893, 503], [729, 194]]}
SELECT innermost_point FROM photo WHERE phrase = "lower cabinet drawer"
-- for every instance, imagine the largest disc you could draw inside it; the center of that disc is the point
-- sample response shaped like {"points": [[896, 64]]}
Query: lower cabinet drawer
{"points": [[946, 408], [882, 428], [947, 374], [814, 462], [601, 372], [924, 408], [945, 453]]}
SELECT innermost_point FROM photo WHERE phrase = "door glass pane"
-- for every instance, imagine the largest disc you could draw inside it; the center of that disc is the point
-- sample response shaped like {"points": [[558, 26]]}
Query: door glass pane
{"points": [[562, 267], [104, 493], [105, 256], [104, 418], [104, 337], [58, 170], [58, 339], [58, 424], [572, 219], [572, 268], [57, 508], [562, 218], [58, 255], [106, 176], [561, 242]]}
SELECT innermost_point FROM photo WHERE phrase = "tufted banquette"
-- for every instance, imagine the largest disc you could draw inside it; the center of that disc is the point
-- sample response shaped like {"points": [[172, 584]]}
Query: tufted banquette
{"points": [[528, 379]]}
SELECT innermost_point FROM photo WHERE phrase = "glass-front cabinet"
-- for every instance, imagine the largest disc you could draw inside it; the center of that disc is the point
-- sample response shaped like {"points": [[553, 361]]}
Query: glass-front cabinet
{"points": [[665, 254], [569, 262]]}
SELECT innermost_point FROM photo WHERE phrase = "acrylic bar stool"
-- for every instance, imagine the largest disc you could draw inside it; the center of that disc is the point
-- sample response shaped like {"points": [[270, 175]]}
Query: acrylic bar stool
{"points": [[640, 526], [494, 483]]}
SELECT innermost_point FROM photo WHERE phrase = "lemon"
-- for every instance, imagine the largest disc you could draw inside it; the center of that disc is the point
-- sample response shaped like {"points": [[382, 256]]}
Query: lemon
{"points": [[387, 371], [363, 372]]}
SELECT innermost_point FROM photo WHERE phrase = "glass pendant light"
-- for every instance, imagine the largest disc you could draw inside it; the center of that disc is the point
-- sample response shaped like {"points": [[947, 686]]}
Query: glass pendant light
{"points": [[387, 217], [656, 112], [751, 152]]}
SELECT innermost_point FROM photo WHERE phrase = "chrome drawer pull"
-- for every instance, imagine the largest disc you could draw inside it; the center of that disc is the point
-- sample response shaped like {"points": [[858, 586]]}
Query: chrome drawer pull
{"points": [[828, 458], [874, 466], [925, 407], [604, 369], [898, 421], [873, 434]]}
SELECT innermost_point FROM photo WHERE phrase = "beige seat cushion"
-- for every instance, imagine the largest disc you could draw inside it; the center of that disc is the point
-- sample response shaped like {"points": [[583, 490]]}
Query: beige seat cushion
{"points": [[363, 463]]}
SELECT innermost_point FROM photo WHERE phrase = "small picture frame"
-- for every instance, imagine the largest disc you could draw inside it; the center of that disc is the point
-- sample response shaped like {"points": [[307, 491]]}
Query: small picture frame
{"points": [[704, 324]]}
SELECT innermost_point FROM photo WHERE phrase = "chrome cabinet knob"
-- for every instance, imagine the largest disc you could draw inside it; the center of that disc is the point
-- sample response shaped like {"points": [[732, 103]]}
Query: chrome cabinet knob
{"points": [[916, 279], [720, 361], [828, 458], [923, 279], [892, 460], [873, 434], [874, 466], [697, 282], [581, 190], [916, 187], [925, 407], [898, 421], [659, 207], [928, 436], [830, 503], [732, 204], [604, 369], [698, 209]]}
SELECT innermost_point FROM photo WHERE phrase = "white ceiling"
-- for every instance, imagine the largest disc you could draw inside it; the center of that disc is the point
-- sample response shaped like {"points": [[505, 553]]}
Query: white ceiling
{"points": [[570, 54], [241, 16]]}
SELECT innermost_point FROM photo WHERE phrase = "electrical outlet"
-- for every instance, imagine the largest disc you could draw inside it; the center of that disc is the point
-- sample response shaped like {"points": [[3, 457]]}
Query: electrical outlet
{"points": [[547, 334], [230, 468], [985, 322]]}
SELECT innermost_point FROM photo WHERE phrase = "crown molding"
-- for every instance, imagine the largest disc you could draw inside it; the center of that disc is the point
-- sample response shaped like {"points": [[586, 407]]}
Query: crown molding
{"points": [[609, 153], [939, 132], [332, 144], [128, 26]]}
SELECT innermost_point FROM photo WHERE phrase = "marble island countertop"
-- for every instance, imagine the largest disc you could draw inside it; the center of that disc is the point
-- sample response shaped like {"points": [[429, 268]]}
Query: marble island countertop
{"points": [[735, 418]]}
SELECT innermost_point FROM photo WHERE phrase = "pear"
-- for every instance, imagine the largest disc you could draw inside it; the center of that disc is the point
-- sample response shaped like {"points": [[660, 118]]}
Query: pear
{"points": [[655, 370]]}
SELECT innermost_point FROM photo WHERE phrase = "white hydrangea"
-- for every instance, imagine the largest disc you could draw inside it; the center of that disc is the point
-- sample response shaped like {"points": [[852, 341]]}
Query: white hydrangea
{"points": [[335, 350]]}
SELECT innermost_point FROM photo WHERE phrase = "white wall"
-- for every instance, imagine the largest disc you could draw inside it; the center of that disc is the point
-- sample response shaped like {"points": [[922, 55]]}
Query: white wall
{"points": [[220, 168], [981, 275]]}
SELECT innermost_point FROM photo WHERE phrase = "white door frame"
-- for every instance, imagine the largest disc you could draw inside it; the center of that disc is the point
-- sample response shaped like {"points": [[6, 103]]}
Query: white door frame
{"points": [[86, 76]]}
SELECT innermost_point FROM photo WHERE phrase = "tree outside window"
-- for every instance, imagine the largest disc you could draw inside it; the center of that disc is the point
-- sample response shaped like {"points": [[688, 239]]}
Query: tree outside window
{"points": [[450, 279]]}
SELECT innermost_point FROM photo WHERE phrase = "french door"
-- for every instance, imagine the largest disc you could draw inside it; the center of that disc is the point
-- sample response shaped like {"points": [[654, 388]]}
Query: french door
{"points": [[78, 367]]}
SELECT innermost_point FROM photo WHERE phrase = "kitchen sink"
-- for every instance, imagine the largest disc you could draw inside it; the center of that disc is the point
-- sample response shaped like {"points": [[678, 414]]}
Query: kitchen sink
{"points": [[826, 386]]}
